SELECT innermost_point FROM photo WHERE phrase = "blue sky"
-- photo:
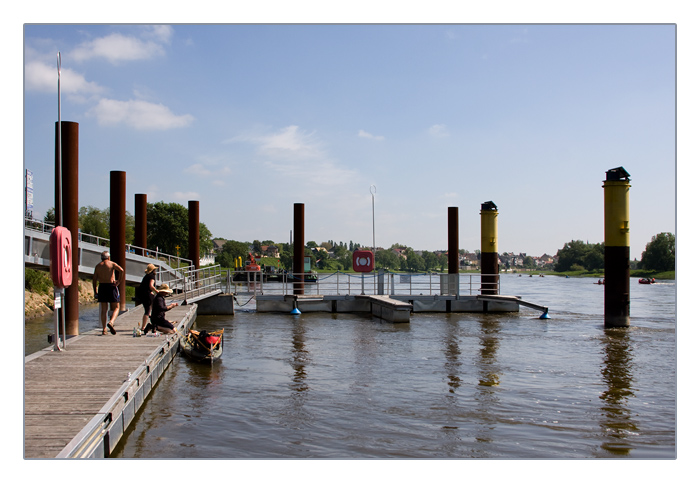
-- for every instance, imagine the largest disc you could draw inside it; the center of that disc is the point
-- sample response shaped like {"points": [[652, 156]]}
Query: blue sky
{"points": [[250, 119]]}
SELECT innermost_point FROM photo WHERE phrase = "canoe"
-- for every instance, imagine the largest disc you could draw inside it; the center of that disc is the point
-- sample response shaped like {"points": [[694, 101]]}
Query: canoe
{"points": [[203, 346]]}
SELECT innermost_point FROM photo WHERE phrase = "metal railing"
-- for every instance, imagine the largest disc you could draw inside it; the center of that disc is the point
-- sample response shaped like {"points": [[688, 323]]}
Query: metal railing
{"points": [[172, 260], [374, 283], [190, 283]]}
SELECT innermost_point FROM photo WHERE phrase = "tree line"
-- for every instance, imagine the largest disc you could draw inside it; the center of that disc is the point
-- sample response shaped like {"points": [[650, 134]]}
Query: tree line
{"points": [[167, 227], [659, 255]]}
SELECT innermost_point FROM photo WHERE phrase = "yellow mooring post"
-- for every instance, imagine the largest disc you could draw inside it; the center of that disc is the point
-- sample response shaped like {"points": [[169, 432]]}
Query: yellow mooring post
{"points": [[489, 248], [617, 248]]}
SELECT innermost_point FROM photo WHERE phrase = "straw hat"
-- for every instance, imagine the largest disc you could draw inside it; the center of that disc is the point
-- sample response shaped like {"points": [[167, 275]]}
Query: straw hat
{"points": [[164, 288], [150, 267]]}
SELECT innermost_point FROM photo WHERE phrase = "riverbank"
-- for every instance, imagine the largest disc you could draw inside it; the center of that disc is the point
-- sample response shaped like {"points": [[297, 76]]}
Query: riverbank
{"points": [[670, 275], [41, 303]]}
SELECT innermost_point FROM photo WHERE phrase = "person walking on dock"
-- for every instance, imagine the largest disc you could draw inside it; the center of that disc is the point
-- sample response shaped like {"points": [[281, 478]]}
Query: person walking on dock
{"points": [[107, 273], [159, 309], [146, 293]]}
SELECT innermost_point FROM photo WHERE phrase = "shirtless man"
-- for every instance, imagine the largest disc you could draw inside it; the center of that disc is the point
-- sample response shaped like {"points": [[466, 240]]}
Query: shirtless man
{"points": [[107, 273]]}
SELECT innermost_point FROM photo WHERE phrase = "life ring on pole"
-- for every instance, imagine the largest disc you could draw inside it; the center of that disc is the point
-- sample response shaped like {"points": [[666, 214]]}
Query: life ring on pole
{"points": [[61, 252]]}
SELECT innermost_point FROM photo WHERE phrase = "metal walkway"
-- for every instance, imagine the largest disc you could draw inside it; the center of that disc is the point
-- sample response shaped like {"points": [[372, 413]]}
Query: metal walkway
{"points": [[189, 284]]}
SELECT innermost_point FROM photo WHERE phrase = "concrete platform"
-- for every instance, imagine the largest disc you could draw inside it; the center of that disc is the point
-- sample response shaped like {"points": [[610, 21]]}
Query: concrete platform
{"points": [[395, 308]]}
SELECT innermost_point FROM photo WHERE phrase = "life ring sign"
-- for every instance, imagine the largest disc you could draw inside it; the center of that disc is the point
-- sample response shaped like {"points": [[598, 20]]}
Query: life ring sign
{"points": [[362, 261], [61, 253]]}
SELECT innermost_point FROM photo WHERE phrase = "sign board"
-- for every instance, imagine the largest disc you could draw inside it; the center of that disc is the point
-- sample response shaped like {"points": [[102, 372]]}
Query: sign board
{"points": [[362, 261], [29, 193]]}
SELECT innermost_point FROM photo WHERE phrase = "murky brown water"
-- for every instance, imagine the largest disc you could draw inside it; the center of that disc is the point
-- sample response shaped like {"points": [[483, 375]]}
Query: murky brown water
{"points": [[443, 386]]}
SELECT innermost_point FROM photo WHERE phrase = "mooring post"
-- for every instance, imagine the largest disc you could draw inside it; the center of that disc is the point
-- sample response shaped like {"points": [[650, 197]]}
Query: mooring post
{"points": [[193, 240], [117, 228], [617, 248], [453, 248], [140, 223], [489, 248], [67, 176], [298, 265]]}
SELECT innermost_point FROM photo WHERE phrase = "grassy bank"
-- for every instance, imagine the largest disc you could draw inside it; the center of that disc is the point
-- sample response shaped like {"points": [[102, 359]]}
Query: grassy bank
{"points": [[671, 275]]}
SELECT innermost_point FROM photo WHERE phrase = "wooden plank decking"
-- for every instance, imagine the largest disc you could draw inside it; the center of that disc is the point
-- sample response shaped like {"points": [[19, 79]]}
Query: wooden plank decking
{"points": [[64, 391]]}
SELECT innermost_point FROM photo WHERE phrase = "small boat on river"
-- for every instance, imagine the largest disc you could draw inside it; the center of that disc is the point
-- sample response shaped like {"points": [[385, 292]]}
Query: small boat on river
{"points": [[647, 281], [203, 346]]}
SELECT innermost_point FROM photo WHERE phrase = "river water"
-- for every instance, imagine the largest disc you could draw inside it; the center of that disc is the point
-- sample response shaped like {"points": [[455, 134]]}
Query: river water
{"points": [[348, 386]]}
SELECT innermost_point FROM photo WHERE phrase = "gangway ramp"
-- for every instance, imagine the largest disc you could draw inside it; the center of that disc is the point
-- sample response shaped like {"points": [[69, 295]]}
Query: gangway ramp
{"points": [[37, 255], [517, 300]]}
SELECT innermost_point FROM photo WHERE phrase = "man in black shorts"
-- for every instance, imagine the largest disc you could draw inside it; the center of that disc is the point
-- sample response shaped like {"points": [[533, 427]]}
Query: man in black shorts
{"points": [[107, 273]]}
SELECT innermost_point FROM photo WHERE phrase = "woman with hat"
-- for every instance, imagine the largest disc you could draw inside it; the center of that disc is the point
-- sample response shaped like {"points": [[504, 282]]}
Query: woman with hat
{"points": [[159, 310], [146, 292]]}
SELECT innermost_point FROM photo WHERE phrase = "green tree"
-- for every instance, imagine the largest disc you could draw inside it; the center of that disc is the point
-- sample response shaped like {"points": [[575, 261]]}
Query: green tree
{"points": [[286, 257], [50, 216], [167, 225], [660, 253], [529, 262], [230, 253], [430, 260], [442, 261], [579, 255], [387, 259], [94, 221], [595, 258], [414, 263]]}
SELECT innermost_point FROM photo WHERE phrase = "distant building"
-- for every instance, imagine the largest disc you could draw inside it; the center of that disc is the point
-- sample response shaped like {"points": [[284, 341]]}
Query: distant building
{"points": [[270, 251], [218, 244]]}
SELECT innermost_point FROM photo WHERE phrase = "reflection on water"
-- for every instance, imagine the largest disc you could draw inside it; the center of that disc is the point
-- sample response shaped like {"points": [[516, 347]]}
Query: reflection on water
{"points": [[453, 364], [442, 386], [488, 363], [617, 371], [300, 356]]}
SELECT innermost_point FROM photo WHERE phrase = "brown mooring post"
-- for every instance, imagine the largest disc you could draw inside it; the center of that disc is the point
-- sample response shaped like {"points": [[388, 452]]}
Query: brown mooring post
{"points": [[617, 248], [452, 253], [489, 248], [140, 223], [193, 233], [298, 265], [453, 239], [117, 227], [66, 210]]}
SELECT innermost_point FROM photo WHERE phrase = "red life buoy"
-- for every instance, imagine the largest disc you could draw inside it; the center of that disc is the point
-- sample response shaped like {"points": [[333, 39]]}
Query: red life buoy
{"points": [[61, 252]]}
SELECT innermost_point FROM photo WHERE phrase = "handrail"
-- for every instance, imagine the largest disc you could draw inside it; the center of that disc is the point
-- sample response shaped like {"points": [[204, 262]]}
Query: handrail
{"points": [[172, 260], [188, 282], [371, 283]]}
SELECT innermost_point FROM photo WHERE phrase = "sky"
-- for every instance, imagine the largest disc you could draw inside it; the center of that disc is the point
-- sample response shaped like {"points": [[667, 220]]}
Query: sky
{"points": [[250, 119]]}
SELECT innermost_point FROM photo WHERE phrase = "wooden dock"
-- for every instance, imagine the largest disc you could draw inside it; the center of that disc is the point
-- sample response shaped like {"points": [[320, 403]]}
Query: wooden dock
{"points": [[78, 402]]}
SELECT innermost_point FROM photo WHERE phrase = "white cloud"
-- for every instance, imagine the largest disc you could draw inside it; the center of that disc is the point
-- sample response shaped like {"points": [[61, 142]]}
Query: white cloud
{"points": [[42, 77], [438, 131], [117, 47], [162, 33], [289, 143], [186, 196], [203, 171], [364, 134], [198, 169], [139, 115]]}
